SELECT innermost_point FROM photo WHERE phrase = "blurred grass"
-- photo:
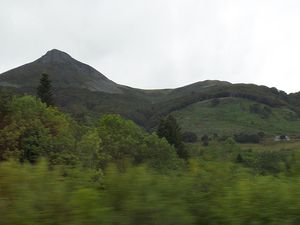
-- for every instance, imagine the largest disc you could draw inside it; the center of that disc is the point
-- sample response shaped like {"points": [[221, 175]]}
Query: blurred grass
{"points": [[205, 193], [271, 145]]}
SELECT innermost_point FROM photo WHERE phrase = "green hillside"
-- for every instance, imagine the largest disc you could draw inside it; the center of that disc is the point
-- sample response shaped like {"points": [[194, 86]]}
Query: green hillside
{"points": [[235, 115], [86, 94]]}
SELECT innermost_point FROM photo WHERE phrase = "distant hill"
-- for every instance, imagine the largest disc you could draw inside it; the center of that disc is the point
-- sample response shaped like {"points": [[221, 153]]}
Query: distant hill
{"points": [[86, 94], [231, 116]]}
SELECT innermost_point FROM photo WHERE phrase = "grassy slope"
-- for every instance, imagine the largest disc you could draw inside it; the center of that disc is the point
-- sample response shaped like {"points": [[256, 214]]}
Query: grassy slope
{"points": [[232, 116], [273, 146]]}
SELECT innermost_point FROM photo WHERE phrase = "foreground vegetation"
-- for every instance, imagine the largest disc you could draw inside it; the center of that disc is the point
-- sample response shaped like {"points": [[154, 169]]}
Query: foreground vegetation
{"points": [[205, 193], [54, 170]]}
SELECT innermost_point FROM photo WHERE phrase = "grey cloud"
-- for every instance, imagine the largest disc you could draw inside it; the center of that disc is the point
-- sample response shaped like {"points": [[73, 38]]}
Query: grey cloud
{"points": [[160, 43]]}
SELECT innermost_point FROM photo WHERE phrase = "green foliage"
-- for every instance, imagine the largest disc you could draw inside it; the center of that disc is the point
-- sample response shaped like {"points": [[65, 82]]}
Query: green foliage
{"points": [[91, 151], [118, 174], [34, 195], [170, 130], [189, 137], [158, 153], [44, 90], [122, 140], [32, 130], [226, 150], [141, 197], [4, 101], [268, 162], [207, 192], [247, 138], [262, 200]]}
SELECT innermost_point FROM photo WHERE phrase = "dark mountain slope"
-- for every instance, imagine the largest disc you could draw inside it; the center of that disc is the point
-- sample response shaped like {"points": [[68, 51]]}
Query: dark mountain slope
{"points": [[64, 71]]}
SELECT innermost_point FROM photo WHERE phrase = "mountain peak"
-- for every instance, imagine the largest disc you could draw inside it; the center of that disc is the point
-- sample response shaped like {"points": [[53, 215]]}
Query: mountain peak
{"points": [[64, 71], [55, 56]]}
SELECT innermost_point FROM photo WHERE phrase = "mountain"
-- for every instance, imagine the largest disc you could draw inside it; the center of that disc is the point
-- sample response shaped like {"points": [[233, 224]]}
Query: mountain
{"points": [[64, 71], [86, 94]]}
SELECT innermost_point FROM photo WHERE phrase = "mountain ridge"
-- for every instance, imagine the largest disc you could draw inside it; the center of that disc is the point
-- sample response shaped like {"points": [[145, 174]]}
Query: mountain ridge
{"points": [[56, 56], [86, 93]]}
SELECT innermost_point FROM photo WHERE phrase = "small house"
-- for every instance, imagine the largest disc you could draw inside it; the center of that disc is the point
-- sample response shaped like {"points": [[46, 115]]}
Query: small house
{"points": [[281, 138]]}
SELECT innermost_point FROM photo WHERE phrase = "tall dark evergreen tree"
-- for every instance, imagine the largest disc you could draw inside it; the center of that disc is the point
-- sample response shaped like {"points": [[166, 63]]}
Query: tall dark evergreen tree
{"points": [[44, 90], [169, 129]]}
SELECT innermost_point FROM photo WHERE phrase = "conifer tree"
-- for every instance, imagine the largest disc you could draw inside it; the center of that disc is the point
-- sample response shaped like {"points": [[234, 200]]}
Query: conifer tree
{"points": [[44, 90], [169, 129]]}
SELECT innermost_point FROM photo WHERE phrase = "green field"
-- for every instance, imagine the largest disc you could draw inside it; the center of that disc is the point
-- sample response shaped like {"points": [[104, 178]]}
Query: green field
{"points": [[233, 115], [273, 146]]}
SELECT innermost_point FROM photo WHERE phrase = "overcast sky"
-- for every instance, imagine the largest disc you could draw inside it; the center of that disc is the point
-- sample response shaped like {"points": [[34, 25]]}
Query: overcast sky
{"points": [[160, 43]]}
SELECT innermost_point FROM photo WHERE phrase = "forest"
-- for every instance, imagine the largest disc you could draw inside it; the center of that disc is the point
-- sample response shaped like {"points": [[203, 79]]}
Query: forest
{"points": [[56, 170]]}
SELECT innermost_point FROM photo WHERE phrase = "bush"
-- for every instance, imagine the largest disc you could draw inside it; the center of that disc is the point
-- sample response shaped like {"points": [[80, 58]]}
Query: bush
{"points": [[247, 138], [33, 130], [122, 140], [189, 137]]}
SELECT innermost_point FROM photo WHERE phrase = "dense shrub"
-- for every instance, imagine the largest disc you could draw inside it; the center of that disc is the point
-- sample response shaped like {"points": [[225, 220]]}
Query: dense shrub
{"points": [[36, 195], [247, 138], [169, 129], [121, 140], [33, 130], [189, 137]]}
